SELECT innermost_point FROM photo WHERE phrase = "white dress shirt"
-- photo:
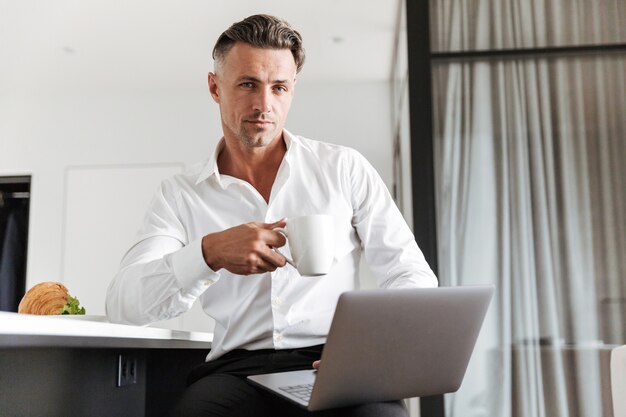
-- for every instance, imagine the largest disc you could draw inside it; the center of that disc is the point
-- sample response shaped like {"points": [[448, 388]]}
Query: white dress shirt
{"points": [[164, 273]]}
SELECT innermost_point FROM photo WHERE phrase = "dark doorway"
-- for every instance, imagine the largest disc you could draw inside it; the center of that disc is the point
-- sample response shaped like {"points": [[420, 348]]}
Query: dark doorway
{"points": [[14, 210]]}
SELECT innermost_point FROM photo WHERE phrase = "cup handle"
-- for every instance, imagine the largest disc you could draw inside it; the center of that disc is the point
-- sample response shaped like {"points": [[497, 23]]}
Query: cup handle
{"points": [[284, 233]]}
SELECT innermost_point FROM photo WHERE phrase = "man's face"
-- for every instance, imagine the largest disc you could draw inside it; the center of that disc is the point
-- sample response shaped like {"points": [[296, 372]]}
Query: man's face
{"points": [[254, 88]]}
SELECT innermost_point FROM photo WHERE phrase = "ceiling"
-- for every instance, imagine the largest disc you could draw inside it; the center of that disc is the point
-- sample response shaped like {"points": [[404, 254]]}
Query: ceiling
{"points": [[139, 44]]}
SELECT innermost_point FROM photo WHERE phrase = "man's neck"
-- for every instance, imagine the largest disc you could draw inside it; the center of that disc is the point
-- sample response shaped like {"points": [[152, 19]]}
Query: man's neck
{"points": [[258, 165]]}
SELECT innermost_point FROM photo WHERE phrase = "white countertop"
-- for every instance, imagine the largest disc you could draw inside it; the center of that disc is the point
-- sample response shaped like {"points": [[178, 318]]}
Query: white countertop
{"points": [[24, 330]]}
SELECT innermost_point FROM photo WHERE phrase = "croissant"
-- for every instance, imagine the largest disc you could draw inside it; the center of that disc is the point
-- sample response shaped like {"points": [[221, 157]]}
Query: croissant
{"points": [[49, 298]]}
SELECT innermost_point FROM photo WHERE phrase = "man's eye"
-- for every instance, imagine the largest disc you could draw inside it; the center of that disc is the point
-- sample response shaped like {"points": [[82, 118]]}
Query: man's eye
{"points": [[247, 85], [281, 88]]}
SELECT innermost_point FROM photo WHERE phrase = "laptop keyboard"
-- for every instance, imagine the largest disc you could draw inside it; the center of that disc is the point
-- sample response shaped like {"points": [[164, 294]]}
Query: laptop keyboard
{"points": [[301, 391]]}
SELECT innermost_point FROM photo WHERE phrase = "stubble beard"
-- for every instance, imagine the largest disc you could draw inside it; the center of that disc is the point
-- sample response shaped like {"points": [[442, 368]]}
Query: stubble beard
{"points": [[257, 138]]}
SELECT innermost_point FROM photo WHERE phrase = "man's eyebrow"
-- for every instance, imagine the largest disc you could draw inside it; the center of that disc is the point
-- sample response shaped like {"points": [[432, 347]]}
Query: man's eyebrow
{"points": [[256, 80], [248, 78]]}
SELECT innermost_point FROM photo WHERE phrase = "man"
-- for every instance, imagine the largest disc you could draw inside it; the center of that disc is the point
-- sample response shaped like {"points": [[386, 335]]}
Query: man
{"points": [[209, 234]]}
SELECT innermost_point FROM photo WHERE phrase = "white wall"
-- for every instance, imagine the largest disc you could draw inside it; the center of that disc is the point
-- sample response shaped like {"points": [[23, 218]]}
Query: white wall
{"points": [[49, 134]]}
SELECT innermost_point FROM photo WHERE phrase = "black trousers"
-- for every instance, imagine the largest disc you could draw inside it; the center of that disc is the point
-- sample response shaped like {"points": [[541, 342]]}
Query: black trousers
{"points": [[219, 388]]}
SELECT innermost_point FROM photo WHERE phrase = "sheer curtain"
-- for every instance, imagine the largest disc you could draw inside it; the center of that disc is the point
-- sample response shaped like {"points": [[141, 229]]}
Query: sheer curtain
{"points": [[531, 196]]}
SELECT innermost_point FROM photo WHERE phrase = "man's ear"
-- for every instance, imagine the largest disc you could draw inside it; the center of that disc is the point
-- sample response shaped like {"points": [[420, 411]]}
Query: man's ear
{"points": [[213, 89]]}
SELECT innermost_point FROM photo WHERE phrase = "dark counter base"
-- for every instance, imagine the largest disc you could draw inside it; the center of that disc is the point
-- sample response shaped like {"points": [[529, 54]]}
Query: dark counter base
{"points": [[81, 382]]}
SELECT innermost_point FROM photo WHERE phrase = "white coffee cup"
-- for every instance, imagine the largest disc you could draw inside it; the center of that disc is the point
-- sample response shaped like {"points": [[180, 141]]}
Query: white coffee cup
{"points": [[311, 243]]}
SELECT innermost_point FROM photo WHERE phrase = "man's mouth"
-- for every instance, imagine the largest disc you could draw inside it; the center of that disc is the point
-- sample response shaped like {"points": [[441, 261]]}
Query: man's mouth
{"points": [[260, 123]]}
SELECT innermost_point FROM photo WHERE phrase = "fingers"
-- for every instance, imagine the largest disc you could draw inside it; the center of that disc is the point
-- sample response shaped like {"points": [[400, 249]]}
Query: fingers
{"points": [[266, 240], [272, 258], [245, 249], [262, 266], [274, 238], [276, 224], [316, 364]]}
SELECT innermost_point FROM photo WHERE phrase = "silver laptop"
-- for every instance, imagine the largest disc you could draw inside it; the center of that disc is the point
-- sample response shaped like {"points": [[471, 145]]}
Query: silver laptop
{"points": [[388, 345]]}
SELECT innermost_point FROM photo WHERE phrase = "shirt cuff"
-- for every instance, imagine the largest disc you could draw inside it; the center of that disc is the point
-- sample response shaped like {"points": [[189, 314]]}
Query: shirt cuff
{"points": [[193, 274]]}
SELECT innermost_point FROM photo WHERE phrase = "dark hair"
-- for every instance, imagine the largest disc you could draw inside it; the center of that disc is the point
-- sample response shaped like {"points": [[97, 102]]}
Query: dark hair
{"points": [[261, 31]]}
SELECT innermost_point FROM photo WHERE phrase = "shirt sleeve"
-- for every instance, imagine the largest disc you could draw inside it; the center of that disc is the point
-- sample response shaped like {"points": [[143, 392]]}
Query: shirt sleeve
{"points": [[389, 247], [161, 276]]}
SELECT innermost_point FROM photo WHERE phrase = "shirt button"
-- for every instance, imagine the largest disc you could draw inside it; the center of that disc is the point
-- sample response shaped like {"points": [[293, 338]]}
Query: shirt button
{"points": [[209, 282], [278, 338], [277, 301]]}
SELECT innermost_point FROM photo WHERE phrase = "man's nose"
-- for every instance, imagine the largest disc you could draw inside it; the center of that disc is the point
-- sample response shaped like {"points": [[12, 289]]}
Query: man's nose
{"points": [[263, 101]]}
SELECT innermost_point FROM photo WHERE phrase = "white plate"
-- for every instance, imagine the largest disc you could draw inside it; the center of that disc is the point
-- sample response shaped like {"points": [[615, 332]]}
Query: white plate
{"points": [[86, 317]]}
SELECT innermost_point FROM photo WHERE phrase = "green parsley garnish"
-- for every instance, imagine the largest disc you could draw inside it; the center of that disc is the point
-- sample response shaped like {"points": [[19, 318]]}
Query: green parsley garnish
{"points": [[72, 306]]}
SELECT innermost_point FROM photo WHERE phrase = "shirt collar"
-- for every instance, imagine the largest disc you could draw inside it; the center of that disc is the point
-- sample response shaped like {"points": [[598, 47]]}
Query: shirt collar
{"points": [[211, 170]]}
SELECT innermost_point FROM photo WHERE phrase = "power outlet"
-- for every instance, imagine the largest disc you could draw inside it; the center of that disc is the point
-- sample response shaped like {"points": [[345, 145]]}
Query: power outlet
{"points": [[126, 370]]}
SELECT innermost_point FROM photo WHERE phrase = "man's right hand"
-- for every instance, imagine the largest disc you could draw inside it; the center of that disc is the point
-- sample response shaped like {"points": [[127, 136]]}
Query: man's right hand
{"points": [[245, 249]]}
